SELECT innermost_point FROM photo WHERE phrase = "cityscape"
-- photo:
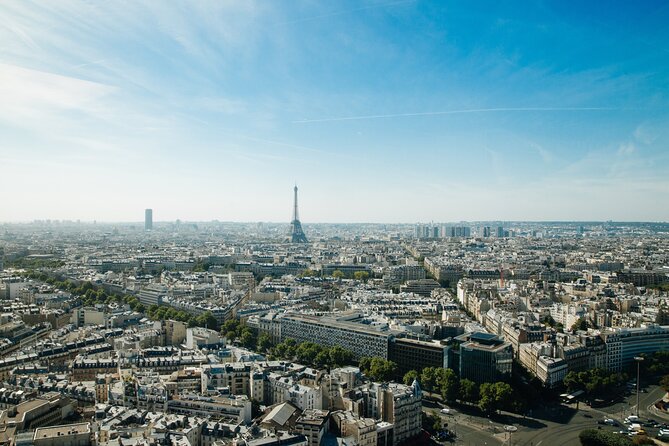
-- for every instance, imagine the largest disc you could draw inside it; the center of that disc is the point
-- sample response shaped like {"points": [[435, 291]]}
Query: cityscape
{"points": [[296, 223]]}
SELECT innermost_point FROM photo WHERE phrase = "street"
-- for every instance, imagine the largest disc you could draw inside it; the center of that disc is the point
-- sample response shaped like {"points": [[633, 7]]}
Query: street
{"points": [[551, 425]]}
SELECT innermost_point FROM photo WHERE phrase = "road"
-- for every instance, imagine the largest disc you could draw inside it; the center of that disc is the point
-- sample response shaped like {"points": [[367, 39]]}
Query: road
{"points": [[470, 431], [566, 433], [555, 425]]}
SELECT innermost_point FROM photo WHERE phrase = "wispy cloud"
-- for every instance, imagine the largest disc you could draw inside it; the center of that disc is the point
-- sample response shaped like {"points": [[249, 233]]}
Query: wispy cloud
{"points": [[456, 112], [328, 15], [32, 94], [627, 148]]}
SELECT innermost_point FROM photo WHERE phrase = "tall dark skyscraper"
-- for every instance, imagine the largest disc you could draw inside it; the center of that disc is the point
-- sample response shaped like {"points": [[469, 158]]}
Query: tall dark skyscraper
{"points": [[296, 233], [148, 219]]}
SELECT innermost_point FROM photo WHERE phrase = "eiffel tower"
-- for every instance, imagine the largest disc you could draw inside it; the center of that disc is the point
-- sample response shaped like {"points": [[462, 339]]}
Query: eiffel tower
{"points": [[296, 232]]}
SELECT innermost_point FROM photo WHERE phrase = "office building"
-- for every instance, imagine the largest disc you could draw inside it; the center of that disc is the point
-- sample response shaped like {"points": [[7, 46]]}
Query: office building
{"points": [[483, 357], [361, 339], [412, 354], [148, 219]]}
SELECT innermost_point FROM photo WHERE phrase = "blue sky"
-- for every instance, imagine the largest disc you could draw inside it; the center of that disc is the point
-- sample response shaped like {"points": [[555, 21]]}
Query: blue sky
{"points": [[381, 111]]}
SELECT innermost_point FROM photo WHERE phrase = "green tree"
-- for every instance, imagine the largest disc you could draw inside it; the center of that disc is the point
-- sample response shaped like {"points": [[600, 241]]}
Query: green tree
{"points": [[248, 338], [322, 359], [595, 382], [504, 397], [306, 352], [230, 325], [409, 377], [495, 396], [428, 379], [361, 276], [338, 274], [339, 356], [548, 320], [469, 391], [378, 369], [206, 320], [285, 349], [449, 384], [593, 437], [487, 398], [264, 342], [580, 324]]}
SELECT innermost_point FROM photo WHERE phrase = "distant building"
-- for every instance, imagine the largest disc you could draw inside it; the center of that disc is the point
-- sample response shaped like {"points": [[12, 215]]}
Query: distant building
{"points": [[643, 277], [237, 408], [69, 434], [148, 219], [175, 332], [643, 340], [313, 424], [393, 403], [422, 287], [348, 424], [198, 337]]}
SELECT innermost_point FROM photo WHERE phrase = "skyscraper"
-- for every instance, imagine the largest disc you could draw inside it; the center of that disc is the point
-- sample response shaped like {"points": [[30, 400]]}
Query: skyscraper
{"points": [[148, 219], [296, 233]]}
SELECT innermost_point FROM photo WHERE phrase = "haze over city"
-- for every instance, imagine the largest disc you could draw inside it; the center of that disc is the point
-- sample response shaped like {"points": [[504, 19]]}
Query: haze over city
{"points": [[381, 111]]}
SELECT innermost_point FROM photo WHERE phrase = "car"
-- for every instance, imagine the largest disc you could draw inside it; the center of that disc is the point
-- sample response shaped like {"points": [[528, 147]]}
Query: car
{"points": [[446, 411], [445, 435], [610, 422], [510, 428]]}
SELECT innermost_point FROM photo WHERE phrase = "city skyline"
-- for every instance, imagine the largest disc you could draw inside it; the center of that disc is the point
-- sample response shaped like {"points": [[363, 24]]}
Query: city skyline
{"points": [[382, 112]]}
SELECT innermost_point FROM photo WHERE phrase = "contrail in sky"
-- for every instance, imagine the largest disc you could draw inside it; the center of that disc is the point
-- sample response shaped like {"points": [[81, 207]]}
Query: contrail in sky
{"points": [[455, 112]]}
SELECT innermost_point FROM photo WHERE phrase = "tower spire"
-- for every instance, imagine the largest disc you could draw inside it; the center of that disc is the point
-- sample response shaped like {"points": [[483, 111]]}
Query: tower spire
{"points": [[295, 213], [296, 232]]}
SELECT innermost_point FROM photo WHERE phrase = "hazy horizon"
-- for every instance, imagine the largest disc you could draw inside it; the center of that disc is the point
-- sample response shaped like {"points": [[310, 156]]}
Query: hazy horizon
{"points": [[287, 223], [380, 111]]}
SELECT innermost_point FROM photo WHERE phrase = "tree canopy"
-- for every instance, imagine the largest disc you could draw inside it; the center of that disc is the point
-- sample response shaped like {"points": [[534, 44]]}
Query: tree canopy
{"points": [[378, 369], [312, 354], [594, 382]]}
